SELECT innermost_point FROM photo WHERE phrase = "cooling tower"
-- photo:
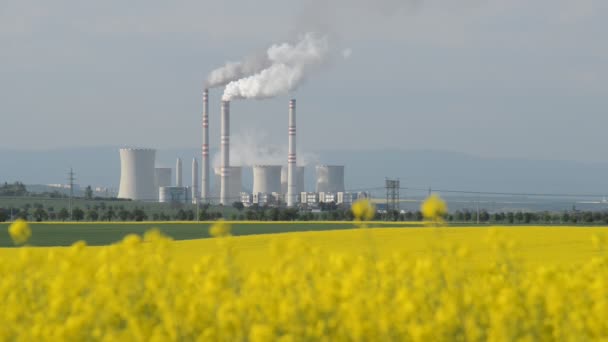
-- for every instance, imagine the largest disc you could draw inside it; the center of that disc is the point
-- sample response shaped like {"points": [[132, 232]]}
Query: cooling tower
{"points": [[162, 177], [235, 183], [291, 156], [205, 160], [330, 178], [299, 179], [178, 172], [225, 152], [266, 179], [137, 174], [194, 196]]}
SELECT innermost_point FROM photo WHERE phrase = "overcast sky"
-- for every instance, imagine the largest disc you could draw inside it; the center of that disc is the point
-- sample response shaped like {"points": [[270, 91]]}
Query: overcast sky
{"points": [[495, 78]]}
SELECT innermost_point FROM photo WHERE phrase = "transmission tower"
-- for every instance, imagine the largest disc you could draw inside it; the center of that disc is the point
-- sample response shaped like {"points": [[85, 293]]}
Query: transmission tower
{"points": [[392, 197], [71, 180]]}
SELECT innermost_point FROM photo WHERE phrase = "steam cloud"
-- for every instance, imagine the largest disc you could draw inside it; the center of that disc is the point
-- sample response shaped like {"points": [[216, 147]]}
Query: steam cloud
{"points": [[248, 148], [233, 71], [289, 66]]}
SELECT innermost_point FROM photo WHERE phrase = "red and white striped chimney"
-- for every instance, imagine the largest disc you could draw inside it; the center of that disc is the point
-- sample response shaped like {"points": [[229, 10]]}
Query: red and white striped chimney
{"points": [[291, 157], [205, 160], [225, 152]]}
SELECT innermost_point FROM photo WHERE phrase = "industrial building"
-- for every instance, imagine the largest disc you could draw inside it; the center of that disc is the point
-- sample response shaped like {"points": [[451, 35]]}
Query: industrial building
{"points": [[276, 185], [330, 178], [299, 174], [174, 194], [137, 174], [162, 177], [266, 179], [140, 180], [272, 184], [233, 188]]}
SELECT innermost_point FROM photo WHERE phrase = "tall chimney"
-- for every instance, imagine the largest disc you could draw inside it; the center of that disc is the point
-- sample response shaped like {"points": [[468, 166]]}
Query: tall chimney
{"points": [[225, 151], [178, 172], [195, 193], [205, 160], [291, 157]]}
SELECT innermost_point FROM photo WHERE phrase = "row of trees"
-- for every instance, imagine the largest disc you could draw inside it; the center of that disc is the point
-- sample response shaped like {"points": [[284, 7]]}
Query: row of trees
{"points": [[15, 189], [103, 212], [39, 213], [565, 217], [518, 217]]}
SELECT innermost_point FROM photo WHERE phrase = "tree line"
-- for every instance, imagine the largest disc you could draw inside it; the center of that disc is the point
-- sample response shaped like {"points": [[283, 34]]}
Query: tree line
{"points": [[16, 189], [512, 217], [102, 212]]}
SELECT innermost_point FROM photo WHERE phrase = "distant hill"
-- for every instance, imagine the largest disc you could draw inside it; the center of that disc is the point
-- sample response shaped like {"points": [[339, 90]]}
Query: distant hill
{"points": [[100, 166]]}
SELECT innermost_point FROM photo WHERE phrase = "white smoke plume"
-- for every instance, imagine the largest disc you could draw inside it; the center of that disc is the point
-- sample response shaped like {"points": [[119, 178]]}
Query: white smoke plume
{"points": [[290, 64], [252, 148], [232, 71]]}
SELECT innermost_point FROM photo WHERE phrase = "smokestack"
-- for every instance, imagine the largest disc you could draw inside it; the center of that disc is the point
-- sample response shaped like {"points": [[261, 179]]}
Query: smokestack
{"points": [[205, 160], [225, 151], [235, 178], [291, 156], [178, 172], [194, 181]]}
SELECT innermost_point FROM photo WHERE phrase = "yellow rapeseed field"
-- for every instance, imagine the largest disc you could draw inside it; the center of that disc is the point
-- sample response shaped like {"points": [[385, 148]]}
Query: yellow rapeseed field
{"points": [[400, 284]]}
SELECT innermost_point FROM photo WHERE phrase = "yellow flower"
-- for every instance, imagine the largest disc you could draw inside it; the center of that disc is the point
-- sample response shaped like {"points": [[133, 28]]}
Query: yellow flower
{"points": [[20, 231], [261, 332], [363, 210], [131, 240], [434, 208], [219, 229]]}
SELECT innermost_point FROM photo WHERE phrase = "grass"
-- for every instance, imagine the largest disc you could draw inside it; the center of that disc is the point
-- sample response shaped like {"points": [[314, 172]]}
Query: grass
{"points": [[104, 233]]}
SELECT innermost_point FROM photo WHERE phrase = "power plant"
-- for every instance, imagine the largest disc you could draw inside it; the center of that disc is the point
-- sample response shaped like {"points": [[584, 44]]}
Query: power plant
{"points": [[235, 177], [291, 156], [140, 180], [279, 72], [267, 179], [299, 172], [279, 185], [330, 178], [205, 148], [224, 151], [137, 174], [162, 177]]}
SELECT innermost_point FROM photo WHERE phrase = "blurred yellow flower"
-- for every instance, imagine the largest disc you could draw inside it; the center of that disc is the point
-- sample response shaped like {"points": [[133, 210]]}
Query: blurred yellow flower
{"points": [[131, 240], [220, 229], [261, 333], [363, 210], [138, 290], [434, 208], [20, 231]]}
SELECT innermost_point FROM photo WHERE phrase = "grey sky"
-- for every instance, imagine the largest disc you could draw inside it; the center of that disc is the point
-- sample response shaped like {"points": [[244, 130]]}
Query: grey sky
{"points": [[502, 78]]}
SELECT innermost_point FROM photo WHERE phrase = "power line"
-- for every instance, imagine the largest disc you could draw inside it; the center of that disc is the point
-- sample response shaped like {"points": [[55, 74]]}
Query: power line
{"points": [[471, 192], [71, 180], [531, 194], [392, 196]]}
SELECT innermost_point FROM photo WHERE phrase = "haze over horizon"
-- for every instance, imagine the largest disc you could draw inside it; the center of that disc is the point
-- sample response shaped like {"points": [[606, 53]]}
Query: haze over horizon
{"points": [[499, 79]]}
